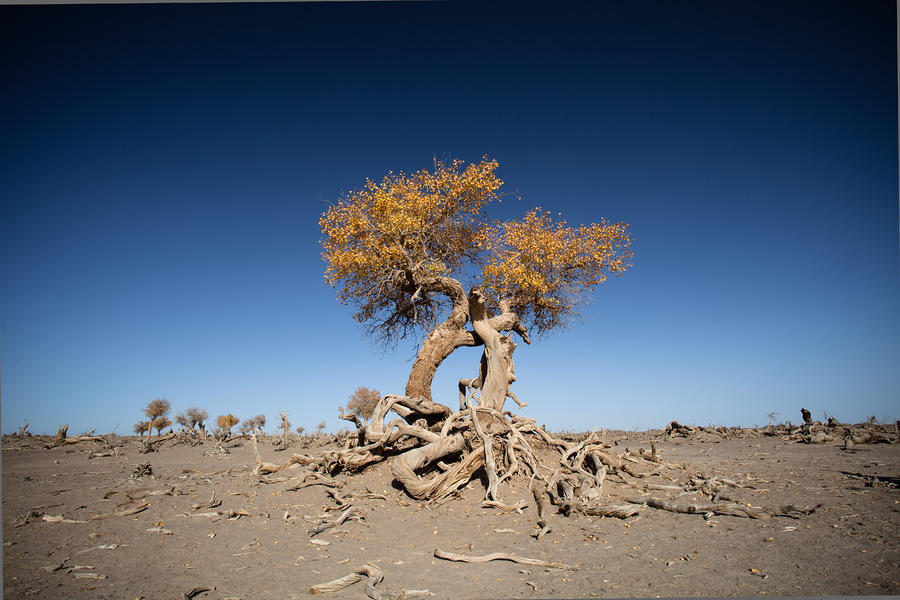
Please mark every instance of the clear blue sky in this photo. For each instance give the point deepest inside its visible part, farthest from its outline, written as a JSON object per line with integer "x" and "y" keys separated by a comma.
{"x": 163, "y": 169}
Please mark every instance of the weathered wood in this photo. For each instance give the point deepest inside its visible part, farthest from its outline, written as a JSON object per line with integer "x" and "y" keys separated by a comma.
{"x": 211, "y": 503}
{"x": 122, "y": 513}
{"x": 490, "y": 463}
{"x": 732, "y": 509}
{"x": 467, "y": 558}
{"x": 350, "y": 513}
{"x": 196, "y": 592}
{"x": 372, "y": 575}
{"x": 541, "y": 511}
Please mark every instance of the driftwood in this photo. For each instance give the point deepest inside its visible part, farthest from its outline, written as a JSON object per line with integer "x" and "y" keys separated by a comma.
{"x": 816, "y": 432}
{"x": 541, "y": 510}
{"x": 60, "y": 519}
{"x": 674, "y": 428}
{"x": 61, "y": 438}
{"x": 618, "y": 511}
{"x": 438, "y": 553}
{"x": 152, "y": 445}
{"x": 122, "y": 513}
{"x": 874, "y": 480}
{"x": 196, "y": 592}
{"x": 144, "y": 492}
{"x": 211, "y": 503}
{"x": 142, "y": 470}
{"x": 34, "y": 515}
{"x": 350, "y": 513}
{"x": 733, "y": 509}
{"x": 507, "y": 508}
{"x": 372, "y": 575}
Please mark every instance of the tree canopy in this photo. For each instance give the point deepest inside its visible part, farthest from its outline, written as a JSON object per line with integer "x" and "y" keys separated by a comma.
{"x": 400, "y": 250}
{"x": 362, "y": 403}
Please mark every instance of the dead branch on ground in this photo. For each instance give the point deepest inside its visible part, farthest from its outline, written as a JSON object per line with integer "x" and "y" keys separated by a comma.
{"x": 438, "y": 553}
{"x": 373, "y": 576}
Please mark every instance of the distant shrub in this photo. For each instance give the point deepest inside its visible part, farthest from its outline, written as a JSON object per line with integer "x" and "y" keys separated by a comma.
{"x": 160, "y": 423}
{"x": 226, "y": 422}
{"x": 362, "y": 403}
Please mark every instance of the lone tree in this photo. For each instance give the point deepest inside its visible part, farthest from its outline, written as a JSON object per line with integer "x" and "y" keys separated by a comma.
{"x": 157, "y": 409}
{"x": 404, "y": 251}
{"x": 417, "y": 253}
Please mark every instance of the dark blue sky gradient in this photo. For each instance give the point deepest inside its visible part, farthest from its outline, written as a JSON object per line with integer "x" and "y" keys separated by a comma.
{"x": 164, "y": 168}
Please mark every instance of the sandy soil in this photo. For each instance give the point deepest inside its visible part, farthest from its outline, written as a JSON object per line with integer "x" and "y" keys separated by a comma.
{"x": 848, "y": 545}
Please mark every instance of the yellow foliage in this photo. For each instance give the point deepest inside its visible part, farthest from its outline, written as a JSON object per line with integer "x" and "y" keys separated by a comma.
{"x": 227, "y": 421}
{"x": 384, "y": 242}
{"x": 392, "y": 247}
{"x": 541, "y": 268}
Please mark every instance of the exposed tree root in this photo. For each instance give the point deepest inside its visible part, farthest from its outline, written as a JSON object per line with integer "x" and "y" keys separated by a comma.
{"x": 434, "y": 453}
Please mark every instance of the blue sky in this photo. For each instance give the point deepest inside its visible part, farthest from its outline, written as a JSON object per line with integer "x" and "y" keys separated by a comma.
{"x": 164, "y": 167}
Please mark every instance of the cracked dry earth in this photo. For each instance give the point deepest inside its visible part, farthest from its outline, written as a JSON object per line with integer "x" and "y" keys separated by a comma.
{"x": 256, "y": 544}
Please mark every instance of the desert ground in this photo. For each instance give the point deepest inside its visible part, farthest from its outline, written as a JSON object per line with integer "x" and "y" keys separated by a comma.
{"x": 105, "y": 520}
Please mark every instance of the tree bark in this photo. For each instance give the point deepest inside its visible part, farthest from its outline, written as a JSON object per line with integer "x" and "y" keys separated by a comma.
{"x": 497, "y": 370}
{"x": 452, "y": 334}
{"x": 440, "y": 343}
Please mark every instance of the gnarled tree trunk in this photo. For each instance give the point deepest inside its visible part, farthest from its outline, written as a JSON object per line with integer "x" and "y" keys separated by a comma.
{"x": 497, "y": 371}
{"x": 439, "y": 344}
{"x": 452, "y": 334}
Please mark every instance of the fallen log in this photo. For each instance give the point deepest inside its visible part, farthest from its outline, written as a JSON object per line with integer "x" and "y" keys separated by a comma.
{"x": 733, "y": 509}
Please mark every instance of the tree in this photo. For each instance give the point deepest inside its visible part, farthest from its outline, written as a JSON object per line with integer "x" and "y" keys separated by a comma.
{"x": 253, "y": 424}
{"x": 285, "y": 427}
{"x": 160, "y": 423}
{"x": 416, "y": 253}
{"x": 400, "y": 252}
{"x": 321, "y": 428}
{"x": 362, "y": 403}
{"x": 300, "y": 430}
{"x": 196, "y": 417}
{"x": 226, "y": 422}
{"x": 183, "y": 420}
{"x": 156, "y": 409}
{"x": 141, "y": 427}
{"x": 259, "y": 421}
